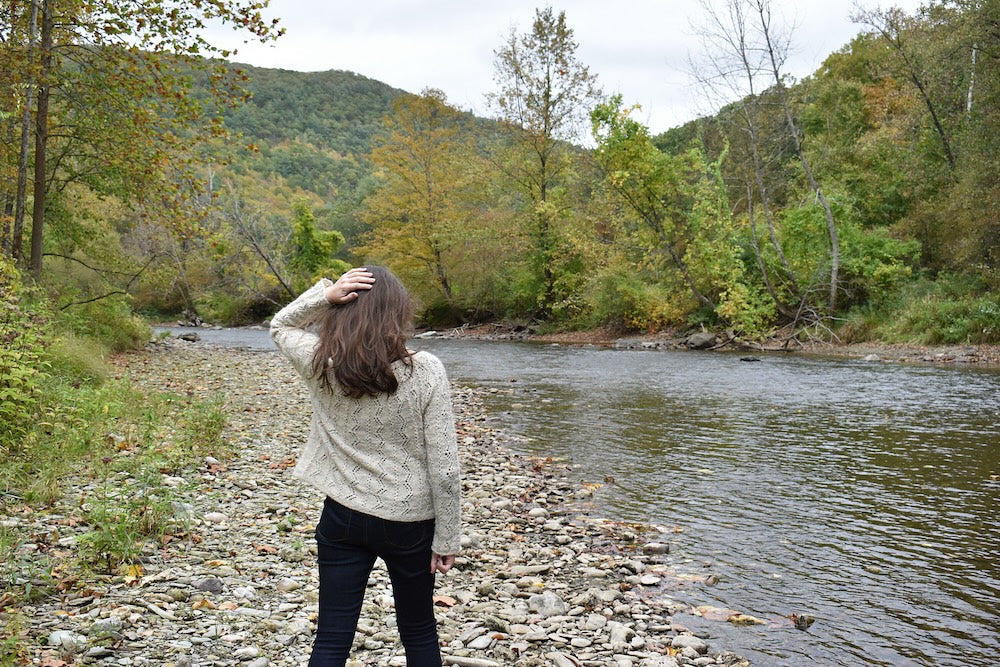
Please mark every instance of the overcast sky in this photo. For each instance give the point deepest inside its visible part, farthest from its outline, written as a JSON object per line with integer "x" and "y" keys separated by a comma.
{"x": 639, "y": 48}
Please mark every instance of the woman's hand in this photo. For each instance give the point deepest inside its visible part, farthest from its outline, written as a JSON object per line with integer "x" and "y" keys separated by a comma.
{"x": 441, "y": 563}
{"x": 346, "y": 288}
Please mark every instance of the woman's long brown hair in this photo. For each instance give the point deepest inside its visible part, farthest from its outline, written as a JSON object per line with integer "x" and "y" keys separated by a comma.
{"x": 359, "y": 340}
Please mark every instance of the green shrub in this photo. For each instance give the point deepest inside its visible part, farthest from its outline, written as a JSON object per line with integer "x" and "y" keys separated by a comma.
{"x": 950, "y": 310}
{"x": 22, "y": 360}
{"x": 109, "y": 321}
{"x": 120, "y": 520}
{"x": 77, "y": 360}
{"x": 627, "y": 300}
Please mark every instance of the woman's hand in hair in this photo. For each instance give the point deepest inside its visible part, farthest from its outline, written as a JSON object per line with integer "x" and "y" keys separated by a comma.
{"x": 346, "y": 288}
{"x": 441, "y": 563}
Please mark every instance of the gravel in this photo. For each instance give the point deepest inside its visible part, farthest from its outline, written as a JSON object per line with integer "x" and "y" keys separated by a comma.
{"x": 539, "y": 580}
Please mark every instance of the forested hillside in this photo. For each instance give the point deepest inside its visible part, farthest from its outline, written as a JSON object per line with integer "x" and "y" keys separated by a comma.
{"x": 860, "y": 202}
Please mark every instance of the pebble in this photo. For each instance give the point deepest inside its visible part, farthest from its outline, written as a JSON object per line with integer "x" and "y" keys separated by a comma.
{"x": 539, "y": 581}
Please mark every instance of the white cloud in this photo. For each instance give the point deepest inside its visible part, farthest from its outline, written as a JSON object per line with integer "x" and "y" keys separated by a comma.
{"x": 639, "y": 49}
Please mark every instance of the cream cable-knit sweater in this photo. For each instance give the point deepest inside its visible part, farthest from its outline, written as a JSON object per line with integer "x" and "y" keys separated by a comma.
{"x": 393, "y": 456}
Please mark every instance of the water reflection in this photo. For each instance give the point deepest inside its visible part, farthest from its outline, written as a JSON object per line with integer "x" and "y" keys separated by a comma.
{"x": 859, "y": 493}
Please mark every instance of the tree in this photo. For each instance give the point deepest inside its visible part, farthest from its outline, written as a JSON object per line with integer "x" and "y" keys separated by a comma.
{"x": 544, "y": 96}
{"x": 683, "y": 206}
{"x": 733, "y": 66}
{"x": 423, "y": 211}
{"x": 776, "y": 49}
{"x": 112, "y": 108}
{"x": 897, "y": 29}
{"x": 313, "y": 249}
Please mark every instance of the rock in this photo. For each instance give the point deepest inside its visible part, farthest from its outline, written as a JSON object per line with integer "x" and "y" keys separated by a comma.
{"x": 98, "y": 652}
{"x": 215, "y": 517}
{"x": 745, "y": 619}
{"x": 70, "y": 642}
{"x": 870, "y": 358}
{"x": 700, "y": 341}
{"x": 106, "y": 626}
{"x": 287, "y": 585}
{"x": 246, "y": 653}
{"x": 461, "y": 661}
{"x": 656, "y": 548}
{"x": 560, "y": 660}
{"x": 803, "y": 621}
{"x": 244, "y": 593}
{"x": 177, "y": 595}
{"x": 190, "y": 337}
{"x": 619, "y": 634}
{"x": 210, "y": 585}
{"x": 547, "y": 604}
{"x": 481, "y": 642}
{"x": 689, "y": 641}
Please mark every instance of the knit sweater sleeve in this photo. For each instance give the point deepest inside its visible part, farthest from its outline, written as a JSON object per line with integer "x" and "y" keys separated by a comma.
{"x": 295, "y": 342}
{"x": 443, "y": 466}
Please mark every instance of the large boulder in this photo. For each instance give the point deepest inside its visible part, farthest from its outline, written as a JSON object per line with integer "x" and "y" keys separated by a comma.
{"x": 700, "y": 341}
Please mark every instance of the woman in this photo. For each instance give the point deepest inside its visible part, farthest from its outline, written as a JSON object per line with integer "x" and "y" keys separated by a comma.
{"x": 382, "y": 449}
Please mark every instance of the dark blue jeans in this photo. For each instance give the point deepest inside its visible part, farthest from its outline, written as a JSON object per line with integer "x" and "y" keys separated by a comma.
{"x": 348, "y": 542}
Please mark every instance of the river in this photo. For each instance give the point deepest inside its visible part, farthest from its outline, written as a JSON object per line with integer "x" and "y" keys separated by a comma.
{"x": 861, "y": 494}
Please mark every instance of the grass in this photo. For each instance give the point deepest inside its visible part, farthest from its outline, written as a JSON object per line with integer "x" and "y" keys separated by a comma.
{"x": 107, "y": 447}
{"x": 94, "y": 449}
{"x": 950, "y": 310}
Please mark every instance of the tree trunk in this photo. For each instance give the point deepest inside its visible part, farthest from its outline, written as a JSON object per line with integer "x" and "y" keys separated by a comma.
{"x": 763, "y": 10}
{"x": 41, "y": 141}
{"x": 972, "y": 81}
{"x": 20, "y": 201}
{"x": 442, "y": 276}
{"x": 755, "y": 242}
{"x": 765, "y": 201}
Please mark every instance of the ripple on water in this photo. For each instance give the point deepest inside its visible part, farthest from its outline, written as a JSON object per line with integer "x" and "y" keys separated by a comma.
{"x": 859, "y": 493}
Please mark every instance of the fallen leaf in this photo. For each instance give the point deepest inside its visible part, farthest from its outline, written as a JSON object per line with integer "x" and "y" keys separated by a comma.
{"x": 445, "y": 601}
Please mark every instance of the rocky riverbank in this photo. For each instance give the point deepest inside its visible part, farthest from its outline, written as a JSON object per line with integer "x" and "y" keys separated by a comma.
{"x": 979, "y": 355}
{"x": 539, "y": 581}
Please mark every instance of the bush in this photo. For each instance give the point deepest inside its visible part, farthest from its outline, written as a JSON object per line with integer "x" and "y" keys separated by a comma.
{"x": 77, "y": 360}
{"x": 110, "y": 321}
{"x": 22, "y": 360}
{"x": 953, "y": 309}
{"x": 626, "y": 300}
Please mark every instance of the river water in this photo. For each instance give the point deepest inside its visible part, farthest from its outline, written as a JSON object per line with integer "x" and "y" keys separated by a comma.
{"x": 862, "y": 494}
